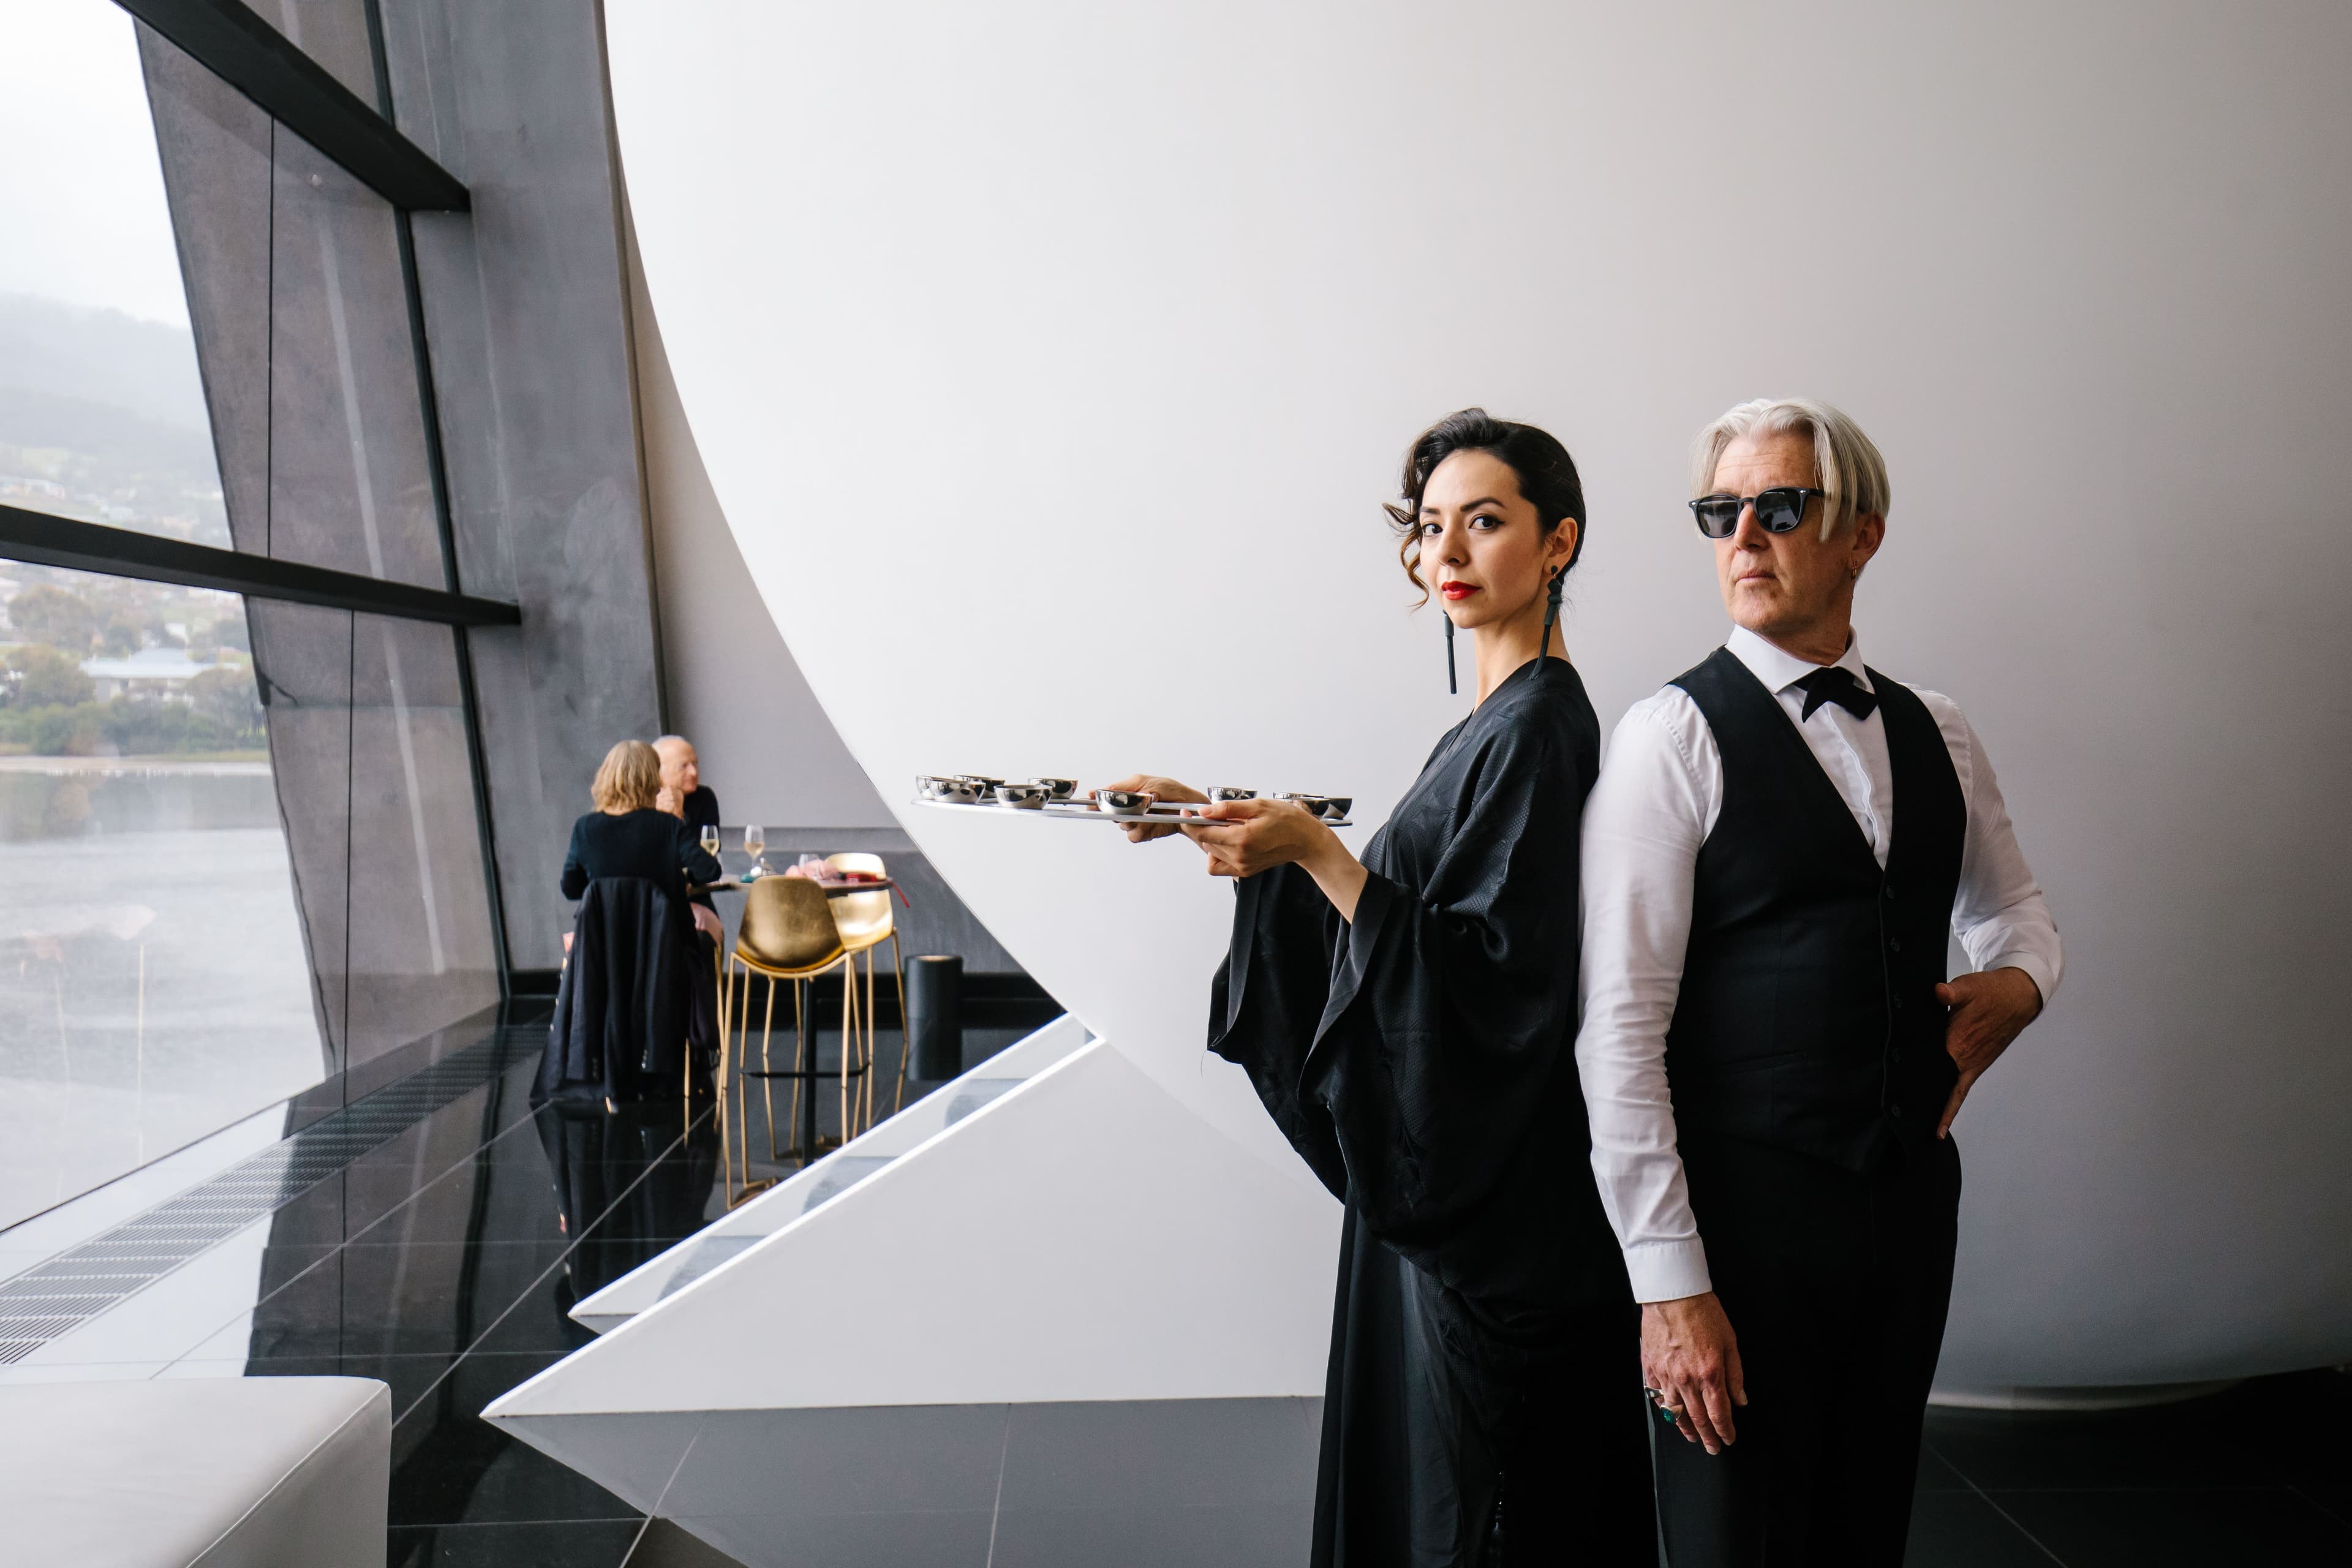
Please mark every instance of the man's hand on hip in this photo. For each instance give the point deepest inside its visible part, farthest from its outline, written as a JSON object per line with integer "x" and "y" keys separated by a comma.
{"x": 1691, "y": 1357}
{"x": 1989, "y": 1008}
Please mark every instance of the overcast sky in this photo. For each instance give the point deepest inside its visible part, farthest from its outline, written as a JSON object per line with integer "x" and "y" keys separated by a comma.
{"x": 82, "y": 197}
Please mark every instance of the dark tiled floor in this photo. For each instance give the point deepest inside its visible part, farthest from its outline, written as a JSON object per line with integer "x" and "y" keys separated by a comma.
{"x": 2262, "y": 1473}
{"x": 444, "y": 1263}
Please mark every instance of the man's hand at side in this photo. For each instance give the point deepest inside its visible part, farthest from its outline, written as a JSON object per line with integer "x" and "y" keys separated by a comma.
{"x": 1691, "y": 1357}
{"x": 1989, "y": 1009}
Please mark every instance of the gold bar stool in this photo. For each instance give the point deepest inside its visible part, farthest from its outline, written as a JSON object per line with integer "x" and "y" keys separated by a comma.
{"x": 787, "y": 933}
{"x": 866, "y": 922}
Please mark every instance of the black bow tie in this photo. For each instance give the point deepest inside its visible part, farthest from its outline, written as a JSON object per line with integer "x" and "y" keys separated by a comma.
{"x": 1836, "y": 684}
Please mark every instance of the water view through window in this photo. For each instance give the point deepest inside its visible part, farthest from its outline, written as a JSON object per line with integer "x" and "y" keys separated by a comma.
{"x": 153, "y": 986}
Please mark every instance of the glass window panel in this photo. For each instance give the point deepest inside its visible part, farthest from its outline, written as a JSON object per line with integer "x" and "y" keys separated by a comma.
{"x": 102, "y": 412}
{"x": 153, "y": 986}
{"x": 302, "y": 665}
{"x": 216, "y": 147}
{"x": 421, "y": 952}
{"x": 350, "y": 481}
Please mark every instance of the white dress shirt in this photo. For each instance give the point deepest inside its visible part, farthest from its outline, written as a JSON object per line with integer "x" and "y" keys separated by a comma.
{"x": 1656, "y": 800}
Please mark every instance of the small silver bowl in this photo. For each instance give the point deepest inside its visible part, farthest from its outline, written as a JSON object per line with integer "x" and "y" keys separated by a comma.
{"x": 1125, "y": 802}
{"x": 1225, "y": 791}
{"x": 1058, "y": 789}
{"x": 1022, "y": 796}
{"x": 931, "y": 786}
{"x": 956, "y": 792}
{"x": 1330, "y": 807}
{"x": 981, "y": 781}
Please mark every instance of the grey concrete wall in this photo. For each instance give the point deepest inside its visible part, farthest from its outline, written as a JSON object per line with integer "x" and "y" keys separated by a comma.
{"x": 527, "y": 316}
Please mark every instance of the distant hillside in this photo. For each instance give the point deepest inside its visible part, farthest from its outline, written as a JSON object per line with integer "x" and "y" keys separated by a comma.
{"x": 84, "y": 355}
{"x": 102, "y": 417}
{"x": 116, "y": 437}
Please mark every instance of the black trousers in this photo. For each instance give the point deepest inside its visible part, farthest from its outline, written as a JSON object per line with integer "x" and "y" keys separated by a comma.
{"x": 1837, "y": 1286}
{"x": 1467, "y": 1434}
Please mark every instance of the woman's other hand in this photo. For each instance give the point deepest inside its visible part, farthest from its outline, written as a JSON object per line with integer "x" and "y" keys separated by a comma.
{"x": 1162, "y": 789}
{"x": 1242, "y": 838}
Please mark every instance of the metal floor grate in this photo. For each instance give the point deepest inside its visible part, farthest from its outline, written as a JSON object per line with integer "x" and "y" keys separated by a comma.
{"x": 80, "y": 1283}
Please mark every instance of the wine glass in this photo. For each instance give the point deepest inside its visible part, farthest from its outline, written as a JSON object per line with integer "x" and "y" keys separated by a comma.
{"x": 710, "y": 839}
{"x": 755, "y": 844}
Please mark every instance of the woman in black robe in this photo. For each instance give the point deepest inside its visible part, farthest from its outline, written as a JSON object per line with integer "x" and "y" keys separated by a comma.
{"x": 1409, "y": 1021}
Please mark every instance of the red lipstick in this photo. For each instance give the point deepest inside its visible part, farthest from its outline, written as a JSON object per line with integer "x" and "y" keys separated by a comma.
{"x": 1457, "y": 591}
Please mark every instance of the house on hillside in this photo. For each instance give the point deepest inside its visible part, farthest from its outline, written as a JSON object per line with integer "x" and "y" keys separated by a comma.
{"x": 162, "y": 673}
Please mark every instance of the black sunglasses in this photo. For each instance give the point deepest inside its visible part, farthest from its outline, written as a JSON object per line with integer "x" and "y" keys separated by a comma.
{"x": 1778, "y": 511}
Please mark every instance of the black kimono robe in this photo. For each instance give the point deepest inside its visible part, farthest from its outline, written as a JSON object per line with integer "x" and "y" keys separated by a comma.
{"x": 1485, "y": 1381}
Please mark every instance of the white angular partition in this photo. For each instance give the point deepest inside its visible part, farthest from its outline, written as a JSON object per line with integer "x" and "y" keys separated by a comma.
{"x": 1066, "y": 1247}
{"x": 828, "y": 1178}
{"x": 1050, "y": 362}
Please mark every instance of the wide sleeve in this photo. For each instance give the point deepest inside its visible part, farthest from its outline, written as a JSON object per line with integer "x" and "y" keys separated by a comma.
{"x": 576, "y": 873}
{"x": 1450, "y": 1010}
{"x": 1267, "y": 998}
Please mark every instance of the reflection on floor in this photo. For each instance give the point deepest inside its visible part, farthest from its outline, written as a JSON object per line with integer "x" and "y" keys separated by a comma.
{"x": 444, "y": 1262}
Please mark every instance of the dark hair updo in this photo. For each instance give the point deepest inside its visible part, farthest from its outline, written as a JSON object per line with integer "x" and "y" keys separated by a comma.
{"x": 1546, "y": 477}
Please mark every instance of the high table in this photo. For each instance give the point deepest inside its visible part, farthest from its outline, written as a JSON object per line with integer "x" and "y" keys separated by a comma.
{"x": 806, "y": 1149}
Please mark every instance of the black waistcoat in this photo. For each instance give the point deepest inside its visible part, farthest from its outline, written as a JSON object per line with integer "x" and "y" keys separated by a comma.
{"x": 1808, "y": 1018}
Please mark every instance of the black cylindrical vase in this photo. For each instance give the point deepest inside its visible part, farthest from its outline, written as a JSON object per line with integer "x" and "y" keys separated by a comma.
{"x": 935, "y": 1016}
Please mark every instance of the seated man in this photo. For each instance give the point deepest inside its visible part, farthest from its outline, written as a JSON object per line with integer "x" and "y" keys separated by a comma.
{"x": 684, "y": 795}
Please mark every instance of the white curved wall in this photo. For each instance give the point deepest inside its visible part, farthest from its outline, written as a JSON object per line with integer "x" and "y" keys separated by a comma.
{"x": 1050, "y": 362}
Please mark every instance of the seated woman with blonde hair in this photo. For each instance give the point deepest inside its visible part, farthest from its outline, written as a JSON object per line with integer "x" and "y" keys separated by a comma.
{"x": 629, "y": 835}
{"x": 620, "y": 1014}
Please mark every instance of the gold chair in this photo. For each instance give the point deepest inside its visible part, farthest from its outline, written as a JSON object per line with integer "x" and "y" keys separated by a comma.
{"x": 786, "y": 933}
{"x": 866, "y": 922}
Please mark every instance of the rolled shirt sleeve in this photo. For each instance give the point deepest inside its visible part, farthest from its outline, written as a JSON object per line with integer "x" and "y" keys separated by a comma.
{"x": 2000, "y": 915}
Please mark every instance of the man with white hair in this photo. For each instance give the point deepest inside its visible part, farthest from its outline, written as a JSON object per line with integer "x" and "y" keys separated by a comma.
{"x": 1779, "y": 845}
{"x": 684, "y": 795}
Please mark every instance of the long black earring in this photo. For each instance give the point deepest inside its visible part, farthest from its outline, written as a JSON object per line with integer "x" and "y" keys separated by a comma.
{"x": 1552, "y": 610}
{"x": 1450, "y": 687}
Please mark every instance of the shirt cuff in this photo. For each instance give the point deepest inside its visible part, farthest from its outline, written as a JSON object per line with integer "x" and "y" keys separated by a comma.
{"x": 2037, "y": 968}
{"x": 1667, "y": 1270}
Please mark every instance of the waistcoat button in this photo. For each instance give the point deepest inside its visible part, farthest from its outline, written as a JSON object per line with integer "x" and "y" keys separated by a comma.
{"x": 1895, "y": 1111}
{"x": 1895, "y": 942}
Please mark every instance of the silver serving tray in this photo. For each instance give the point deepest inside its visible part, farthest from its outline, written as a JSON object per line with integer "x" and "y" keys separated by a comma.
{"x": 1159, "y": 815}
